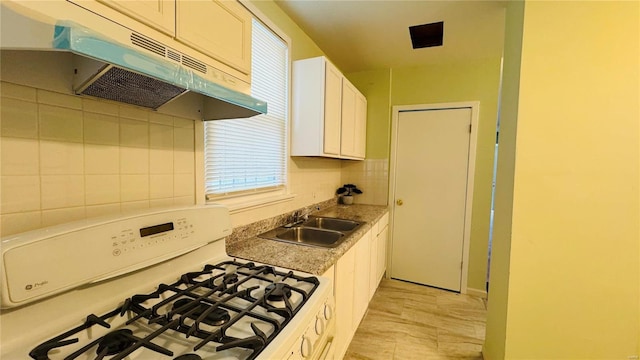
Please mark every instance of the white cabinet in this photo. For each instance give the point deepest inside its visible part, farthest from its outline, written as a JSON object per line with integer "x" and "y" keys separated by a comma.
{"x": 354, "y": 122}
{"x": 361, "y": 278}
{"x": 360, "y": 136}
{"x": 378, "y": 253}
{"x": 158, "y": 14}
{"x": 382, "y": 240}
{"x": 357, "y": 275}
{"x": 217, "y": 28}
{"x": 332, "y": 110}
{"x": 220, "y": 30}
{"x": 329, "y": 113}
{"x": 344, "y": 292}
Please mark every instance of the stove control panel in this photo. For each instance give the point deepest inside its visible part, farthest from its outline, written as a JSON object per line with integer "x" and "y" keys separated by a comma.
{"x": 129, "y": 240}
{"x": 71, "y": 255}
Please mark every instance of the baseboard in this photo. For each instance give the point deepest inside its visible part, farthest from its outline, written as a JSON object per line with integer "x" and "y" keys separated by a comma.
{"x": 477, "y": 292}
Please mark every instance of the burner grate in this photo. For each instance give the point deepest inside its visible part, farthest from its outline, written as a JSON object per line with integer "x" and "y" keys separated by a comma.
{"x": 231, "y": 306}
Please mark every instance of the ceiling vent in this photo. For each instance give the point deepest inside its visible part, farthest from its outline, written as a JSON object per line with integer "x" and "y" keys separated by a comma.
{"x": 426, "y": 35}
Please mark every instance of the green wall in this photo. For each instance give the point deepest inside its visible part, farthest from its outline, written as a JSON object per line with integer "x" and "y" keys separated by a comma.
{"x": 569, "y": 231}
{"x": 474, "y": 80}
{"x": 302, "y": 46}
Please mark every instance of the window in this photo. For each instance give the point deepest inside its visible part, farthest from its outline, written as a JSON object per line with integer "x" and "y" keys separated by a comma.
{"x": 248, "y": 156}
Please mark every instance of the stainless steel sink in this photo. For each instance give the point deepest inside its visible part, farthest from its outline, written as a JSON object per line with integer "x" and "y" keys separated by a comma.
{"x": 311, "y": 236}
{"x": 331, "y": 223}
{"x": 316, "y": 231}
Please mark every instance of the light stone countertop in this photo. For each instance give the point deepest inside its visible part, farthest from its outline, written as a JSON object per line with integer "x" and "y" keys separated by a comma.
{"x": 313, "y": 260}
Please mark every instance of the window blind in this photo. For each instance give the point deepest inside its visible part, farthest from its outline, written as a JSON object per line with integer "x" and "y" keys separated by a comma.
{"x": 249, "y": 155}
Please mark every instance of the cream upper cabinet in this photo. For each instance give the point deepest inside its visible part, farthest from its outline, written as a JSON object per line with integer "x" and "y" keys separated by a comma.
{"x": 220, "y": 29}
{"x": 158, "y": 14}
{"x": 328, "y": 117}
{"x": 354, "y": 122}
{"x": 360, "y": 137}
{"x": 348, "y": 121}
{"x": 332, "y": 109}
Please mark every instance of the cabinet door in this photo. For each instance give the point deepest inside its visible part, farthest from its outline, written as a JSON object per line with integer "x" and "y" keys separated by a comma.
{"x": 360, "y": 131}
{"x": 332, "y": 109}
{"x": 344, "y": 279}
{"x": 159, "y": 14}
{"x": 373, "y": 265}
{"x": 218, "y": 28}
{"x": 382, "y": 253}
{"x": 361, "y": 278}
{"x": 348, "y": 126}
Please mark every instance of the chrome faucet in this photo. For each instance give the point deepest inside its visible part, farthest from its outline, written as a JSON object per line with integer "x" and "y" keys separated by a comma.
{"x": 300, "y": 216}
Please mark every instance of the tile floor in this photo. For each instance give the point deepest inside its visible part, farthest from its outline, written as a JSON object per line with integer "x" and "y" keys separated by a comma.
{"x": 409, "y": 321}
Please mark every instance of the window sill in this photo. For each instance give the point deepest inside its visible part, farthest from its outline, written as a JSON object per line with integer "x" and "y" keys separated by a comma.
{"x": 246, "y": 203}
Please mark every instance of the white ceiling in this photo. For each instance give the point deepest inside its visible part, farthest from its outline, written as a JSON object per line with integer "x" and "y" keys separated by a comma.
{"x": 372, "y": 34}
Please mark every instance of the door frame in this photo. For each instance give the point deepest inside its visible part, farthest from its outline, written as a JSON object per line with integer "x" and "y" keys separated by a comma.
{"x": 473, "y": 142}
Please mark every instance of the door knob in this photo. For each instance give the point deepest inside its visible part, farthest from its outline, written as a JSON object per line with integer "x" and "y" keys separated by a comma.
{"x": 399, "y": 202}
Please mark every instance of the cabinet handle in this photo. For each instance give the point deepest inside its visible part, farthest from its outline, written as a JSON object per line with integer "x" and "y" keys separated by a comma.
{"x": 399, "y": 202}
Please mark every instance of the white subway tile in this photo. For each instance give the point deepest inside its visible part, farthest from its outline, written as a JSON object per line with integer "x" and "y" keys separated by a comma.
{"x": 160, "y": 186}
{"x": 61, "y": 216}
{"x": 158, "y": 118}
{"x": 184, "y": 201}
{"x": 183, "y": 185}
{"x": 183, "y": 162}
{"x": 134, "y": 160}
{"x": 20, "y": 193}
{"x": 101, "y": 159}
{"x": 19, "y": 118}
{"x": 62, "y": 191}
{"x": 58, "y": 123}
{"x": 160, "y": 203}
{"x": 183, "y": 139}
{"x": 20, "y": 222}
{"x": 132, "y": 112}
{"x": 100, "y": 107}
{"x": 101, "y": 129}
{"x": 102, "y": 210}
{"x": 131, "y": 206}
{"x": 20, "y": 156}
{"x": 134, "y": 187}
{"x": 58, "y": 99}
{"x": 134, "y": 133}
{"x": 15, "y": 91}
{"x": 160, "y": 161}
{"x": 160, "y": 136}
{"x": 61, "y": 158}
{"x": 102, "y": 189}
{"x": 183, "y": 123}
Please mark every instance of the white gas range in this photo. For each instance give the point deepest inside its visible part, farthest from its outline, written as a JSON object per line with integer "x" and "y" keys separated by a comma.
{"x": 155, "y": 285}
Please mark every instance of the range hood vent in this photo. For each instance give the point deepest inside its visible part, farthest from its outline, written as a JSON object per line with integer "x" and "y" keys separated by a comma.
{"x": 128, "y": 87}
{"x": 135, "y": 70}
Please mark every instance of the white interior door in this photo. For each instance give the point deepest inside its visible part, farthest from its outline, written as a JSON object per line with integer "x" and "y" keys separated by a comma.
{"x": 430, "y": 187}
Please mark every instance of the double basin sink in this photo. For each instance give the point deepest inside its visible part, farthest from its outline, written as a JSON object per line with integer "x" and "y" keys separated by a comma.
{"x": 316, "y": 231}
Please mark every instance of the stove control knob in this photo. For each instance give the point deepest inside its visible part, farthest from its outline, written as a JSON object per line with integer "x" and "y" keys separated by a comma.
{"x": 319, "y": 328}
{"x": 305, "y": 347}
{"x": 328, "y": 312}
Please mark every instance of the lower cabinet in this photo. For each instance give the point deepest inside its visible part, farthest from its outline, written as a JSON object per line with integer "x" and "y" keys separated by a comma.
{"x": 344, "y": 280}
{"x": 357, "y": 275}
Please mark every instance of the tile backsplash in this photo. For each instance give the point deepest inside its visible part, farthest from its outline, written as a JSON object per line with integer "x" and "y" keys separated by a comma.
{"x": 371, "y": 176}
{"x": 66, "y": 158}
